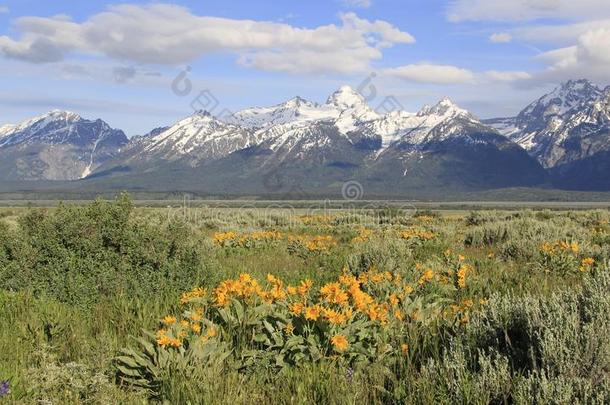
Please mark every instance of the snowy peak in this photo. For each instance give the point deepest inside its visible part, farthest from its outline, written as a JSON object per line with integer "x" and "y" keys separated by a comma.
{"x": 297, "y": 102}
{"x": 568, "y": 95}
{"x": 55, "y": 117}
{"x": 67, "y": 116}
{"x": 296, "y": 110}
{"x": 563, "y": 126}
{"x": 200, "y": 135}
{"x": 346, "y": 98}
{"x": 580, "y": 86}
{"x": 444, "y": 108}
{"x": 59, "y": 145}
{"x": 57, "y": 127}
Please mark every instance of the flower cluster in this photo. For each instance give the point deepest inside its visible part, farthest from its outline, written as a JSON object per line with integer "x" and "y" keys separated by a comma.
{"x": 418, "y": 234}
{"x": 363, "y": 235}
{"x": 233, "y": 239}
{"x": 5, "y": 388}
{"x": 586, "y": 264}
{"x": 425, "y": 218}
{"x": 313, "y": 244}
{"x": 559, "y": 247}
{"x": 316, "y": 219}
{"x": 344, "y": 315}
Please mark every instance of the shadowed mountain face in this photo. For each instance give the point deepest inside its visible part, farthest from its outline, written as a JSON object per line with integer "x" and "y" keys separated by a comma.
{"x": 568, "y": 132}
{"x": 59, "y": 145}
{"x": 297, "y": 147}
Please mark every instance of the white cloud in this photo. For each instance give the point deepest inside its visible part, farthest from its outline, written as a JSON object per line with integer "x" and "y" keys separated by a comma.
{"x": 589, "y": 58}
{"x": 171, "y": 35}
{"x": 434, "y": 74}
{"x": 358, "y": 3}
{"x": 578, "y": 36}
{"x": 507, "y": 75}
{"x": 500, "y": 37}
{"x": 559, "y": 34}
{"x": 4, "y": 10}
{"x": 526, "y": 10}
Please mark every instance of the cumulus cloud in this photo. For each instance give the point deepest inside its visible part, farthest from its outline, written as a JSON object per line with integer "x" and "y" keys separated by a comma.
{"x": 589, "y": 58}
{"x": 500, "y": 37}
{"x": 526, "y": 10}
{"x": 507, "y": 75}
{"x": 433, "y": 74}
{"x": 171, "y": 35}
{"x": 4, "y": 10}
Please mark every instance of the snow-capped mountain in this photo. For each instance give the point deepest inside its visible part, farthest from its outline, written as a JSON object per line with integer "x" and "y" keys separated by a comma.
{"x": 199, "y": 137}
{"x": 545, "y": 126}
{"x": 314, "y": 145}
{"x": 59, "y": 145}
{"x": 317, "y": 144}
{"x": 564, "y": 130}
{"x": 419, "y": 129}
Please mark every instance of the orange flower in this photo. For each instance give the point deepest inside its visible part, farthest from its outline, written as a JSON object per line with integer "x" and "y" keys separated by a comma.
{"x": 334, "y": 317}
{"x": 168, "y": 320}
{"x": 333, "y": 294}
{"x": 340, "y": 343}
{"x": 304, "y": 287}
{"x": 296, "y": 308}
{"x": 427, "y": 276}
{"x": 313, "y": 312}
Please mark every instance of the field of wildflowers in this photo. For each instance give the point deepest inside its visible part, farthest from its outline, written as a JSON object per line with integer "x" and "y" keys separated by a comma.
{"x": 107, "y": 303}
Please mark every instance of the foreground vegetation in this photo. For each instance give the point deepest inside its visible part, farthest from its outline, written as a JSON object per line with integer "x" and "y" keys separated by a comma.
{"x": 105, "y": 303}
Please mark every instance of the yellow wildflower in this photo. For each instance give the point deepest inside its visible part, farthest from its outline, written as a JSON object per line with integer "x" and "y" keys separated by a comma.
{"x": 586, "y": 264}
{"x": 334, "y": 317}
{"x": 333, "y": 294}
{"x": 169, "y": 320}
{"x": 211, "y": 332}
{"x": 339, "y": 342}
{"x": 313, "y": 312}
{"x": 427, "y": 276}
{"x": 304, "y": 287}
{"x": 461, "y": 275}
{"x": 296, "y": 308}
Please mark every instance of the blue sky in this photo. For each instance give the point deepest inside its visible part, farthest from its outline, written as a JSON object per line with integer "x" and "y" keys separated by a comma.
{"x": 118, "y": 60}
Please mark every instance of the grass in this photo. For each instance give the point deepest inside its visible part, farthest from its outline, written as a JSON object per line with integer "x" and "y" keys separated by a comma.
{"x": 528, "y": 341}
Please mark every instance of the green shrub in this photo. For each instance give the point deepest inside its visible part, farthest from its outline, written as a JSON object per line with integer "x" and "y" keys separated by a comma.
{"x": 78, "y": 254}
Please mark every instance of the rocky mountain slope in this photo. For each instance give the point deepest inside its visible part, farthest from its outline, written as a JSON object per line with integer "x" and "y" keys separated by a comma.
{"x": 59, "y": 145}
{"x": 568, "y": 132}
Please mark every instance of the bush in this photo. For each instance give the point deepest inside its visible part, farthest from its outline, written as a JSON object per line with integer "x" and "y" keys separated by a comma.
{"x": 78, "y": 254}
{"x": 532, "y": 350}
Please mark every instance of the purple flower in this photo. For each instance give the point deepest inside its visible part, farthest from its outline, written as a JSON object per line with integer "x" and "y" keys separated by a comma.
{"x": 5, "y": 388}
{"x": 350, "y": 374}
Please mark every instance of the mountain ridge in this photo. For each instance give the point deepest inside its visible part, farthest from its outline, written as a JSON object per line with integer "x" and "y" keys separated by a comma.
{"x": 319, "y": 146}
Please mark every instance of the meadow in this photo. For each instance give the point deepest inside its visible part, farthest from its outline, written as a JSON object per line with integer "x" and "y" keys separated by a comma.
{"x": 108, "y": 303}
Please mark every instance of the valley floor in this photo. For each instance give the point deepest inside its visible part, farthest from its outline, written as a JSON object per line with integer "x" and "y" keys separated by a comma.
{"x": 486, "y": 302}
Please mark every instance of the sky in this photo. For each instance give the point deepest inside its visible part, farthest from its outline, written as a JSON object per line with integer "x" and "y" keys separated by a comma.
{"x": 140, "y": 64}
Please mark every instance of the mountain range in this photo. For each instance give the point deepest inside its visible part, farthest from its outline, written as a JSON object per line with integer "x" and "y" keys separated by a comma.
{"x": 296, "y": 148}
